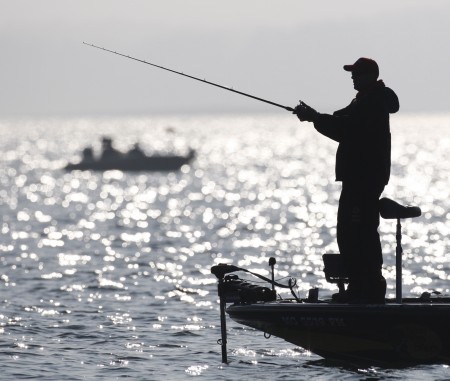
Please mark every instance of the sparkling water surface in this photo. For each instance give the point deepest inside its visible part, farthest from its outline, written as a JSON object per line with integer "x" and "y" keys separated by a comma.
{"x": 107, "y": 275}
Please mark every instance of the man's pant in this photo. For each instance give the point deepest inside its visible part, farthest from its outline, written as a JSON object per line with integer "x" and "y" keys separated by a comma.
{"x": 359, "y": 241}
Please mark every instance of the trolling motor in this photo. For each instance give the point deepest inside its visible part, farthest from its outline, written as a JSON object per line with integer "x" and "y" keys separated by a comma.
{"x": 232, "y": 289}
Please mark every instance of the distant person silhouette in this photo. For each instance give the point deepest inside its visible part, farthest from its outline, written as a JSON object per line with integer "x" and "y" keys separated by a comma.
{"x": 363, "y": 161}
{"x": 136, "y": 152}
{"x": 108, "y": 151}
{"x": 88, "y": 155}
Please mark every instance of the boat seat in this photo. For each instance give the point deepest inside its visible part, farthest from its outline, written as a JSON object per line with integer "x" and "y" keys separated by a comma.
{"x": 389, "y": 209}
{"x": 334, "y": 270}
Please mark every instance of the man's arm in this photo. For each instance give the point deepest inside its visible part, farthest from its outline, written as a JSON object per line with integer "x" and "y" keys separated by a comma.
{"x": 328, "y": 125}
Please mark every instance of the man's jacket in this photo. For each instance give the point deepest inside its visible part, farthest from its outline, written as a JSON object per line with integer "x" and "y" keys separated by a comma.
{"x": 363, "y": 132}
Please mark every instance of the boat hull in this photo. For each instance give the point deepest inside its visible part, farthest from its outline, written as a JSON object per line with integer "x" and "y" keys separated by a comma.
{"x": 154, "y": 163}
{"x": 384, "y": 333}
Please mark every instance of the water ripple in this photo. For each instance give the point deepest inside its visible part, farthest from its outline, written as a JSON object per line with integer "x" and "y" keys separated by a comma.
{"x": 108, "y": 274}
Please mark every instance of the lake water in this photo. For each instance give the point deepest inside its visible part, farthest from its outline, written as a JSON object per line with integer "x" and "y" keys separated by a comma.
{"x": 107, "y": 275}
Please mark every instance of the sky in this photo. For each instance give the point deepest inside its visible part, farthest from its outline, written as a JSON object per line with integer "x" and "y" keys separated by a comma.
{"x": 283, "y": 51}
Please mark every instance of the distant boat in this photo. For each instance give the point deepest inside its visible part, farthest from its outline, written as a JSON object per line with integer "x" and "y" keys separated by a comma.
{"x": 135, "y": 160}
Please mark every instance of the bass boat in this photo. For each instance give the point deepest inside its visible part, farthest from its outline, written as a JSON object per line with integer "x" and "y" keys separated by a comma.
{"x": 397, "y": 332}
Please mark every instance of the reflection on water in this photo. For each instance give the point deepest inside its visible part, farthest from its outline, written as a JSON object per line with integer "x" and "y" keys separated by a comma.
{"x": 108, "y": 274}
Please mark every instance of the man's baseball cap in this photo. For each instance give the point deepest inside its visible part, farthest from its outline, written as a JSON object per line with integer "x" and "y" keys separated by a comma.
{"x": 363, "y": 65}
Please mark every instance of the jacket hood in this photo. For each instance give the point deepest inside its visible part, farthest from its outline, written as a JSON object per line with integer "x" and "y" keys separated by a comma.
{"x": 390, "y": 98}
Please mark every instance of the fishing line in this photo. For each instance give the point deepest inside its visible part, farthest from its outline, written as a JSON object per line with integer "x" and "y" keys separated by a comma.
{"x": 192, "y": 77}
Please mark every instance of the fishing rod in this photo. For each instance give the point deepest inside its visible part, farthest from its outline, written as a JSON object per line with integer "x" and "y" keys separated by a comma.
{"x": 192, "y": 77}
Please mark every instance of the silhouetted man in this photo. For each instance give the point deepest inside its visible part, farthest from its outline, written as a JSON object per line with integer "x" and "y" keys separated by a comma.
{"x": 363, "y": 162}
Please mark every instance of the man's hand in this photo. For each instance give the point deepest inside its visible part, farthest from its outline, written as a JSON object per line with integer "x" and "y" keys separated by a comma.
{"x": 305, "y": 113}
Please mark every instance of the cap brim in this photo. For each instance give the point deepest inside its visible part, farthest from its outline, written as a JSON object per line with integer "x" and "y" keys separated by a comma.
{"x": 349, "y": 67}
